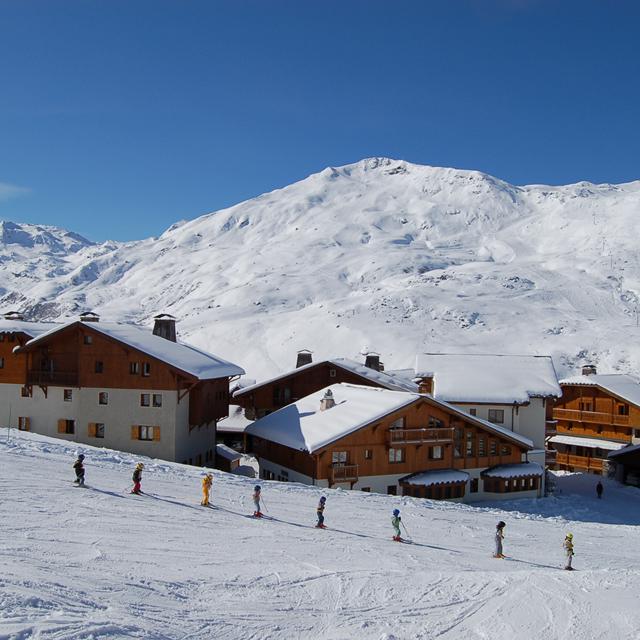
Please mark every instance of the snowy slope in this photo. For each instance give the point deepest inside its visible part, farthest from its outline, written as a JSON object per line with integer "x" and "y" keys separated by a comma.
{"x": 381, "y": 254}
{"x": 99, "y": 563}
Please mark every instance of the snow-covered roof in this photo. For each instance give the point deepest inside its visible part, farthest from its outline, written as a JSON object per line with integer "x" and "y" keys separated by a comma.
{"x": 516, "y": 470}
{"x": 489, "y": 378}
{"x": 32, "y": 329}
{"x": 590, "y": 443}
{"x": 227, "y": 453}
{"x": 622, "y": 385}
{"x": 439, "y": 476}
{"x": 629, "y": 449}
{"x": 387, "y": 380}
{"x": 301, "y": 425}
{"x": 200, "y": 364}
{"x": 235, "y": 422}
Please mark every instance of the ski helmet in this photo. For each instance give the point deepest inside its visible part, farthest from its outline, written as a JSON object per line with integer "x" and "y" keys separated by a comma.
{"x": 139, "y": 465}
{"x": 501, "y": 524}
{"x": 570, "y": 536}
{"x": 81, "y": 456}
{"x": 396, "y": 512}
{"x": 257, "y": 488}
{"x": 323, "y": 499}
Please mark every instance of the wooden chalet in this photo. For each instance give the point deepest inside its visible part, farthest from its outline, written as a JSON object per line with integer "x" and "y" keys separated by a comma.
{"x": 373, "y": 439}
{"x": 597, "y": 415}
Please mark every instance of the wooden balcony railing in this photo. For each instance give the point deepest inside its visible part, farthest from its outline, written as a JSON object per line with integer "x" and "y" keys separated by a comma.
{"x": 551, "y": 428}
{"x": 419, "y": 436}
{"x": 550, "y": 456}
{"x": 579, "y": 462}
{"x": 54, "y": 378}
{"x": 343, "y": 473}
{"x": 590, "y": 416}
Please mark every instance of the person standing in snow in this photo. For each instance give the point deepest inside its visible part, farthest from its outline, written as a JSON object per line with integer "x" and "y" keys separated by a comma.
{"x": 79, "y": 469}
{"x": 395, "y": 523}
{"x": 568, "y": 550}
{"x": 207, "y": 481}
{"x": 257, "y": 492}
{"x": 499, "y": 538}
{"x": 599, "y": 489}
{"x": 320, "y": 513}
{"x": 137, "y": 478}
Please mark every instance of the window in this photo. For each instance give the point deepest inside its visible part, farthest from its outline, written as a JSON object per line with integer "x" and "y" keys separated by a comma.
{"x": 623, "y": 409}
{"x": 67, "y": 394}
{"x": 366, "y": 489}
{"x": 332, "y": 373}
{"x": 287, "y": 395}
{"x": 493, "y": 447}
{"x": 24, "y": 424}
{"x": 436, "y": 453}
{"x": 157, "y": 399}
{"x": 144, "y": 399}
{"x": 392, "y": 490}
{"x": 1, "y": 337}
{"x": 99, "y": 368}
{"x": 396, "y": 455}
{"x": 145, "y": 432}
{"x": 103, "y": 397}
{"x": 457, "y": 442}
{"x": 481, "y": 448}
{"x": 99, "y": 430}
{"x": 505, "y": 450}
{"x": 473, "y": 412}
{"x": 636, "y": 433}
{"x": 468, "y": 453}
{"x": 12, "y": 337}
{"x": 368, "y": 454}
{"x": 276, "y": 395}
{"x": 339, "y": 457}
{"x": 134, "y": 368}
{"x": 397, "y": 424}
{"x": 473, "y": 488}
{"x": 267, "y": 475}
{"x": 66, "y": 426}
{"x": 26, "y": 391}
{"x": 1, "y": 363}
{"x": 146, "y": 369}
{"x": 87, "y": 339}
{"x": 496, "y": 416}
{"x": 586, "y": 406}
{"x": 284, "y": 476}
{"x": 435, "y": 423}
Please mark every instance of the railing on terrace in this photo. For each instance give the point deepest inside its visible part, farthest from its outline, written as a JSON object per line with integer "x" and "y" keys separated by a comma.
{"x": 551, "y": 428}
{"x": 599, "y": 417}
{"x": 420, "y": 436}
{"x": 343, "y": 472}
{"x": 61, "y": 378}
{"x": 580, "y": 462}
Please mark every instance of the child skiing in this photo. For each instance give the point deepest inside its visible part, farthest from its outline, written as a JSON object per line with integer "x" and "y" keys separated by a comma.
{"x": 499, "y": 538}
{"x": 207, "y": 481}
{"x": 79, "y": 469}
{"x": 256, "y": 501}
{"x": 137, "y": 478}
{"x": 320, "y": 513}
{"x": 568, "y": 550}
{"x": 395, "y": 523}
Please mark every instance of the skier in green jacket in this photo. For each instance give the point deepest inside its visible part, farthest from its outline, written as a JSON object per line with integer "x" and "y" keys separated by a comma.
{"x": 395, "y": 523}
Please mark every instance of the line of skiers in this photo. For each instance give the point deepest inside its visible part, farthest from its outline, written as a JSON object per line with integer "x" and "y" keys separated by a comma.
{"x": 396, "y": 520}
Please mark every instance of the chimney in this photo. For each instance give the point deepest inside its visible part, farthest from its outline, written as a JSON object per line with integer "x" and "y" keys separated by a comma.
{"x": 426, "y": 383}
{"x": 372, "y": 361}
{"x": 589, "y": 370}
{"x": 89, "y": 316}
{"x": 327, "y": 401}
{"x": 304, "y": 357}
{"x": 13, "y": 315}
{"x": 165, "y": 326}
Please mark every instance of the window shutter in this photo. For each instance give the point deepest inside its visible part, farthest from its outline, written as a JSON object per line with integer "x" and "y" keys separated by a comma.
{"x": 156, "y": 433}
{"x": 27, "y": 424}
{"x": 134, "y": 432}
{"x": 62, "y": 426}
{"x": 92, "y": 429}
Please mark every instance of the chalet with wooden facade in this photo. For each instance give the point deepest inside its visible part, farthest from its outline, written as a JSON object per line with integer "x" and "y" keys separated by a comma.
{"x": 597, "y": 415}
{"x": 373, "y": 439}
{"x": 516, "y": 392}
{"x": 114, "y": 385}
{"x": 263, "y": 398}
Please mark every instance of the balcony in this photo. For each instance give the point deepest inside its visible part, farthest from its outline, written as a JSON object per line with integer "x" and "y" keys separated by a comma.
{"x": 551, "y": 428}
{"x": 598, "y": 417}
{"x": 441, "y": 435}
{"x": 550, "y": 456}
{"x": 339, "y": 472}
{"x": 53, "y": 378}
{"x": 579, "y": 462}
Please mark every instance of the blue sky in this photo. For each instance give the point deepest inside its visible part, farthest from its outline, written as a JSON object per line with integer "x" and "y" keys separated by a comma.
{"x": 119, "y": 117}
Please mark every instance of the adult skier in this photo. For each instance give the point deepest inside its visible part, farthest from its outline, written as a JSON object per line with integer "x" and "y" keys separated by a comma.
{"x": 137, "y": 478}
{"x": 256, "y": 501}
{"x": 395, "y": 523}
{"x": 79, "y": 469}
{"x": 207, "y": 481}
{"x": 320, "y": 513}
{"x": 499, "y": 538}
{"x": 568, "y": 550}
{"x": 599, "y": 489}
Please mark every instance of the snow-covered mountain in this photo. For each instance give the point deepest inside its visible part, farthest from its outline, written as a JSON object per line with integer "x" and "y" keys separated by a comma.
{"x": 381, "y": 254}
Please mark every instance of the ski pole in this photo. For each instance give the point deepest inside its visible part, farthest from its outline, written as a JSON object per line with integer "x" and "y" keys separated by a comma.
{"x": 264, "y": 503}
{"x": 405, "y": 529}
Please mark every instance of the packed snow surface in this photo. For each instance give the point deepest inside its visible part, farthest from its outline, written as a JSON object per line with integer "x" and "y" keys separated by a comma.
{"x": 99, "y": 563}
{"x": 380, "y": 255}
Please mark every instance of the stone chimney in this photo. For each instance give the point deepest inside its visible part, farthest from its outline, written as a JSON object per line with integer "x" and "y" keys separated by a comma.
{"x": 372, "y": 361}
{"x": 13, "y": 315}
{"x": 426, "y": 383}
{"x": 589, "y": 370}
{"x": 304, "y": 357}
{"x": 89, "y": 316}
{"x": 327, "y": 401}
{"x": 165, "y": 326}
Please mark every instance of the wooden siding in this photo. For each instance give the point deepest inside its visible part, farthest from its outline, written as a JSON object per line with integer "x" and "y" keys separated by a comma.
{"x": 208, "y": 401}
{"x": 13, "y": 371}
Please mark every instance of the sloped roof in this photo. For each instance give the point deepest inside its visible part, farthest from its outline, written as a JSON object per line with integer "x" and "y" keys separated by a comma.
{"x": 302, "y": 426}
{"x": 621, "y": 452}
{"x": 438, "y": 476}
{"x": 32, "y": 329}
{"x": 195, "y": 362}
{"x": 590, "y": 443}
{"x": 387, "y": 380}
{"x": 622, "y": 385}
{"x": 235, "y": 422}
{"x": 489, "y": 378}
{"x": 516, "y": 470}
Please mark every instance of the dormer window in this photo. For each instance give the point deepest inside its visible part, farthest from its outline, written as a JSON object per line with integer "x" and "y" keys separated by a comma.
{"x": 146, "y": 369}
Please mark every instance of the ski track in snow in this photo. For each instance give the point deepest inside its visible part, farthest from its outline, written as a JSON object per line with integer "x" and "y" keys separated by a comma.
{"x": 100, "y": 563}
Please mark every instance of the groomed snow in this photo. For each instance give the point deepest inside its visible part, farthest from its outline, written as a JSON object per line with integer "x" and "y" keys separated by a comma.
{"x": 624, "y": 386}
{"x": 514, "y": 470}
{"x": 489, "y": 378}
{"x": 441, "y": 476}
{"x": 98, "y": 563}
{"x": 590, "y": 443}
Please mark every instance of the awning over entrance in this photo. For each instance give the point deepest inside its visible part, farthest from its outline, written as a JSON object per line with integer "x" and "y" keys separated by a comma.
{"x": 518, "y": 470}
{"x": 441, "y": 476}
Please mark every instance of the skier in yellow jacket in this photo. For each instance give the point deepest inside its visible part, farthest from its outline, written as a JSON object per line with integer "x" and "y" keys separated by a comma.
{"x": 207, "y": 481}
